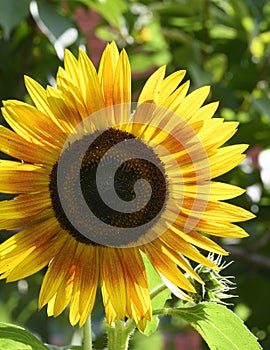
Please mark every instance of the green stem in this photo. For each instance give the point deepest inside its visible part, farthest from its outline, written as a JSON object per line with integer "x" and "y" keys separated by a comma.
{"x": 119, "y": 333}
{"x": 169, "y": 311}
{"x": 87, "y": 335}
{"x": 154, "y": 292}
{"x": 165, "y": 311}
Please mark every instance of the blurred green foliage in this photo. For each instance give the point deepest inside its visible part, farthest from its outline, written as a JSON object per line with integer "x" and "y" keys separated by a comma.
{"x": 225, "y": 44}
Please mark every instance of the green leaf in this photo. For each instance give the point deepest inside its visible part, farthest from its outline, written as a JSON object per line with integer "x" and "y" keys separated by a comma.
{"x": 158, "y": 292}
{"x": 222, "y": 32}
{"x": 110, "y": 10}
{"x": 16, "y": 338}
{"x": 59, "y": 29}
{"x": 11, "y": 13}
{"x": 262, "y": 105}
{"x": 56, "y": 23}
{"x": 219, "y": 326}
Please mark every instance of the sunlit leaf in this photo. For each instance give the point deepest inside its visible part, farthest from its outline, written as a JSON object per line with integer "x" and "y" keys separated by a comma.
{"x": 16, "y": 338}
{"x": 219, "y": 326}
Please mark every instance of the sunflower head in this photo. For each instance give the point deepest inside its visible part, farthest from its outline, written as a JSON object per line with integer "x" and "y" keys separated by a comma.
{"x": 98, "y": 180}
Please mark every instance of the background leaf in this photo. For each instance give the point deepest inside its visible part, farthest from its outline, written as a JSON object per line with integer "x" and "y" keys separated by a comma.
{"x": 52, "y": 347}
{"x": 11, "y": 13}
{"x": 111, "y": 10}
{"x": 59, "y": 29}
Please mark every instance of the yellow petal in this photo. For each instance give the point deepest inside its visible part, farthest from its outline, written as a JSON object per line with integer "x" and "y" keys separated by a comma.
{"x": 122, "y": 81}
{"x": 67, "y": 86}
{"x": 176, "y": 257}
{"x": 186, "y": 249}
{"x": 226, "y": 159}
{"x": 37, "y": 259}
{"x": 205, "y": 112}
{"x": 175, "y": 99}
{"x": 220, "y": 133}
{"x": 192, "y": 102}
{"x": 169, "y": 84}
{"x": 63, "y": 109}
{"x": 167, "y": 268}
{"x": 207, "y": 191}
{"x": 222, "y": 191}
{"x": 90, "y": 85}
{"x": 38, "y": 95}
{"x": 72, "y": 68}
{"x": 221, "y": 229}
{"x": 61, "y": 298}
{"x": 112, "y": 282}
{"x": 152, "y": 88}
{"x": 17, "y": 147}
{"x": 89, "y": 281}
{"x": 24, "y": 205}
{"x": 136, "y": 278}
{"x": 21, "y": 246}
{"x": 58, "y": 272}
{"x": 106, "y": 72}
{"x": 197, "y": 239}
{"x": 226, "y": 212}
{"x": 175, "y": 290}
{"x": 74, "y": 311}
{"x": 18, "y": 177}
{"x": 31, "y": 124}
{"x": 213, "y": 165}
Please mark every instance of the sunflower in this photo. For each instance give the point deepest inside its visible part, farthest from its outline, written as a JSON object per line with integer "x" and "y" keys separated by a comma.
{"x": 100, "y": 183}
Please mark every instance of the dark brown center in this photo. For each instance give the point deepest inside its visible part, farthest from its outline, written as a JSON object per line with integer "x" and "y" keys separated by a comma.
{"x": 95, "y": 179}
